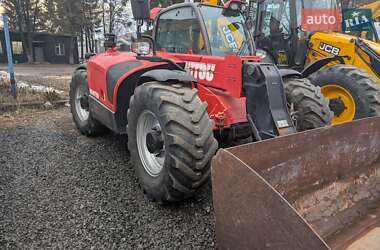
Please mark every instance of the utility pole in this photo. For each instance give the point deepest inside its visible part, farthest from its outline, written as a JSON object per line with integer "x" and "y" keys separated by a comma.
{"x": 10, "y": 57}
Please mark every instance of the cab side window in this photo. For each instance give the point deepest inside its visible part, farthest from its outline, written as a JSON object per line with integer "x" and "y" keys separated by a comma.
{"x": 276, "y": 19}
{"x": 179, "y": 31}
{"x": 276, "y": 32}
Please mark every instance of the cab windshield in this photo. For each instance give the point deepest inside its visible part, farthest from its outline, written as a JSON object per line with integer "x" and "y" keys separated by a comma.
{"x": 226, "y": 31}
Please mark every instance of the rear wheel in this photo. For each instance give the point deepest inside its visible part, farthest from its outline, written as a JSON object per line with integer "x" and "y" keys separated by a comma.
{"x": 79, "y": 94}
{"x": 308, "y": 107}
{"x": 170, "y": 139}
{"x": 352, "y": 92}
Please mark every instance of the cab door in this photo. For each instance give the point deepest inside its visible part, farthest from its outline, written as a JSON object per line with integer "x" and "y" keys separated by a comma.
{"x": 277, "y": 32}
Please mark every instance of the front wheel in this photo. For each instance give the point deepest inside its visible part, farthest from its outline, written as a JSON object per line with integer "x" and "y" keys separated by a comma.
{"x": 170, "y": 139}
{"x": 308, "y": 107}
{"x": 352, "y": 92}
{"x": 79, "y": 103}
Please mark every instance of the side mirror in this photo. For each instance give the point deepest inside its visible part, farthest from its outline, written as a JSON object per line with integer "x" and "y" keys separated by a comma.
{"x": 140, "y": 9}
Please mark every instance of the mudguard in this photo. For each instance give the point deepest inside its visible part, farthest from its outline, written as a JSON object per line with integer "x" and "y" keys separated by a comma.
{"x": 82, "y": 66}
{"x": 317, "y": 65}
{"x": 164, "y": 75}
{"x": 289, "y": 73}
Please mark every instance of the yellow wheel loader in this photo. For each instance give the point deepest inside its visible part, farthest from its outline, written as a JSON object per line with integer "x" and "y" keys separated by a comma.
{"x": 347, "y": 68}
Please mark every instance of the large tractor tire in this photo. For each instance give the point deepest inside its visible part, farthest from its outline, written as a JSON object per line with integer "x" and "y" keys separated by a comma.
{"x": 309, "y": 108}
{"x": 352, "y": 92}
{"x": 79, "y": 94}
{"x": 170, "y": 140}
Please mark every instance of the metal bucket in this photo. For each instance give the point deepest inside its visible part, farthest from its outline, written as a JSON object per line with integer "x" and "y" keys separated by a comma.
{"x": 301, "y": 191}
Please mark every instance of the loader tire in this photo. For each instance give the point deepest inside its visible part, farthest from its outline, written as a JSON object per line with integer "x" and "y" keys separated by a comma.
{"x": 83, "y": 120}
{"x": 353, "y": 93}
{"x": 170, "y": 140}
{"x": 311, "y": 108}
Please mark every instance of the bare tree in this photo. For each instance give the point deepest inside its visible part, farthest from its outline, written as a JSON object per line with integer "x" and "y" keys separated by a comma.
{"x": 114, "y": 14}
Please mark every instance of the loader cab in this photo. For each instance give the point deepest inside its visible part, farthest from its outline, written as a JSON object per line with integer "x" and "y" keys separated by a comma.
{"x": 202, "y": 30}
{"x": 278, "y": 30}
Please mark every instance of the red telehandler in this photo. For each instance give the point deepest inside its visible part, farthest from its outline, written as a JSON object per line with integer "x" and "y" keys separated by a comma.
{"x": 186, "y": 87}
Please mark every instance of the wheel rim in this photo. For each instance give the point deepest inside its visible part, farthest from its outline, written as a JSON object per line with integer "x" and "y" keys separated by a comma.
{"x": 83, "y": 113}
{"x": 153, "y": 163}
{"x": 339, "y": 96}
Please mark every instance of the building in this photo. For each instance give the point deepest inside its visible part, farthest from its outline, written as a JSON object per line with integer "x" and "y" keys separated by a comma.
{"x": 47, "y": 48}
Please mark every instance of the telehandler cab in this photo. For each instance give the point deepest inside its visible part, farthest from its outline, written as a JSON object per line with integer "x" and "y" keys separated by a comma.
{"x": 183, "y": 88}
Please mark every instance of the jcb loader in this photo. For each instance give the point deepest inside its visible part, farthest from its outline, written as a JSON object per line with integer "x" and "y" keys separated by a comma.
{"x": 350, "y": 78}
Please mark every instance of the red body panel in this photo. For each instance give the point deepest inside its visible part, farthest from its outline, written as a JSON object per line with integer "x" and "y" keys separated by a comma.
{"x": 98, "y": 67}
{"x": 219, "y": 81}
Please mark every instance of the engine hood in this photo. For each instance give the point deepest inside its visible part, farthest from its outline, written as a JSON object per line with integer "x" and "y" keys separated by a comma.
{"x": 340, "y": 39}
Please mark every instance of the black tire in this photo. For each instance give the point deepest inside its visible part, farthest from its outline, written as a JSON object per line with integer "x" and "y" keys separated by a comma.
{"x": 311, "y": 108}
{"x": 188, "y": 140}
{"x": 364, "y": 88}
{"x": 89, "y": 126}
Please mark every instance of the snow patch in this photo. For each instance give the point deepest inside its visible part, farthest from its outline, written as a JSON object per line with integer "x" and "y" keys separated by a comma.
{"x": 24, "y": 85}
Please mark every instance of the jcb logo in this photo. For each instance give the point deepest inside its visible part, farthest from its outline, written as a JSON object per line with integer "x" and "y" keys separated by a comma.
{"x": 230, "y": 38}
{"x": 201, "y": 71}
{"x": 329, "y": 49}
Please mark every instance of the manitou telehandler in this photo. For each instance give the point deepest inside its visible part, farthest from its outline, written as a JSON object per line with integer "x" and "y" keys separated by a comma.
{"x": 182, "y": 89}
{"x": 351, "y": 76}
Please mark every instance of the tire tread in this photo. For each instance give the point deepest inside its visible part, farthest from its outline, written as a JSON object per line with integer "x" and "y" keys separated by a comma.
{"x": 189, "y": 136}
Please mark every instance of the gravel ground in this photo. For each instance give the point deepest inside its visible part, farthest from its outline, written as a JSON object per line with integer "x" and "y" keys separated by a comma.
{"x": 59, "y": 189}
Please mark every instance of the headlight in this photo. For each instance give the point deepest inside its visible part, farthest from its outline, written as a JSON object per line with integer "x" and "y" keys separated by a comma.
{"x": 261, "y": 53}
{"x": 141, "y": 48}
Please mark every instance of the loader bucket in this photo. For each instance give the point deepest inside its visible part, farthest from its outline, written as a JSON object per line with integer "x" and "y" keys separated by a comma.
{"x": 318, "y": 189}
